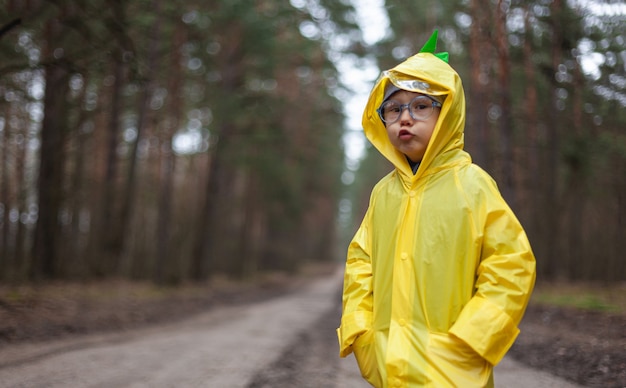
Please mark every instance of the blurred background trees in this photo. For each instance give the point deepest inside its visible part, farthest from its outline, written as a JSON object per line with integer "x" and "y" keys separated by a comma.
{"x": 179, "y": 140}
{"x": 165, "y": 140}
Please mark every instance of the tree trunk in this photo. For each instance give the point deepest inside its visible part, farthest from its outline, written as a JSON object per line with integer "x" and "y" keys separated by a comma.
{"x": 78, "y": 188}
{"x": 616, "y": 267}
{"x": 551, "y": 178}
{"x": 111, "y": 243}
{"x": 506, "y": 123}
{"x": 219, "y": 170}
{"x": 51, "y": 163}
{"x": 18, "y": 264}
{"x": 147, "y": 89}
{"x": 200, "y": 260}
{"x": 164, "y": 263}
{"x": 113, "y": 240}
{"x": 576, "y": 191}
{"x": 531, "y": 181}
{"x": 5, "y": 200}
{"x": 477, "y": 130}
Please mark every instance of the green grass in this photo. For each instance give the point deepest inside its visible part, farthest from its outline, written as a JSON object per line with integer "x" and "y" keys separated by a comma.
{"x": 605, "y": 298}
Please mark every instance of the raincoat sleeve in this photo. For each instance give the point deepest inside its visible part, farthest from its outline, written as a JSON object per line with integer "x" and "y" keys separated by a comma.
{"x": 505, "y": 278}
{"x": 357, "y": 290}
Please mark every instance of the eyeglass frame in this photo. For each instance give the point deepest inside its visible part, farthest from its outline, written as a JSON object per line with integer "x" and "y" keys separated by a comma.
{"x": 434, "y": 104}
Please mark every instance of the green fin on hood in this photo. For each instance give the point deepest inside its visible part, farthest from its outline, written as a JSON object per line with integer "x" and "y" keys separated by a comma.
{"x": 431, "y": 46}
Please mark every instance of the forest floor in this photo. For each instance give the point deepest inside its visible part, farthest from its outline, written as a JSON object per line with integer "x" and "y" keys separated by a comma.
{"x": 584, "y": 344}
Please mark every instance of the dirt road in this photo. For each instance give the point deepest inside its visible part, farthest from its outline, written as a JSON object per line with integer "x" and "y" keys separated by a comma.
{"x": 284, "y": 342}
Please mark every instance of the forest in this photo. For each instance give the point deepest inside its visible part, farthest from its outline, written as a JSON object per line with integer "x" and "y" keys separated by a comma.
{"x": 176, "y": 141}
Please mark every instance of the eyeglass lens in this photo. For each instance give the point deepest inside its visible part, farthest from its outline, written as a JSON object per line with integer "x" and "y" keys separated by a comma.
{"x": 420, "y": 108}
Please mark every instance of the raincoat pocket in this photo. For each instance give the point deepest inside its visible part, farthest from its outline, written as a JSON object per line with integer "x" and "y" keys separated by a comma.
{"x": 455, "y": 364}
{"x": 365, "y": 353}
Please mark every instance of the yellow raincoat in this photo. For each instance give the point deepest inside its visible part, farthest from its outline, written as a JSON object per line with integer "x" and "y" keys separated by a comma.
{"x": 440, "y": 271}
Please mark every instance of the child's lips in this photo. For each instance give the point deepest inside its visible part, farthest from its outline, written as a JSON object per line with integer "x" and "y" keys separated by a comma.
{"x": 404, "y": 134}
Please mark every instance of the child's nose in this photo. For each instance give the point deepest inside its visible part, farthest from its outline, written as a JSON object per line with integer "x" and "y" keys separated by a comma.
{"x": 405, "y": 114}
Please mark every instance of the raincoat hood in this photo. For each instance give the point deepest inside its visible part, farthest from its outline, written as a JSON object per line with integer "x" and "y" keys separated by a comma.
{"x": 426, "y": 73}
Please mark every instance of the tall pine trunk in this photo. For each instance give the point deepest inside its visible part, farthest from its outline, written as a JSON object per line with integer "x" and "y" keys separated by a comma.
{"x": 504, "y": 92}
{"x": 477, "y": 129}
{"x": 550, "y": 183}
{"x": 147, "y": 85}
{"x": 530, "y": 162}
{"x": 220, "y": 170}
{"x": 5, "y": 223}
{"x": 164, "y": 270}
{"x": 51, "y": 161}
{"x": 109, "y": 220}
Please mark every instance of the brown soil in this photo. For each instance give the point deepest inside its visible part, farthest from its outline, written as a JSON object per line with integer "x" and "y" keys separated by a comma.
{"x": 58, "y": 310}
{"x": 582, "y": 346}
{"x": 586, "y": 347}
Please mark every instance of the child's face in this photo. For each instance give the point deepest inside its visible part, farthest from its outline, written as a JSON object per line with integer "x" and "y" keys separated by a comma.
{"x": 410, "y": 136}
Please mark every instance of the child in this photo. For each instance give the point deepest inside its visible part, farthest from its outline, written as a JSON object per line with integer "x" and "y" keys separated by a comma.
{"x": 440, "y": 271}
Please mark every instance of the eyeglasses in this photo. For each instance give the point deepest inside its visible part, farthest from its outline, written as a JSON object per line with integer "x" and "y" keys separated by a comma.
{"x": 420, "y": 108}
